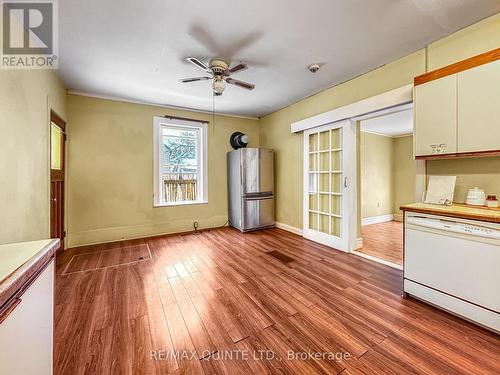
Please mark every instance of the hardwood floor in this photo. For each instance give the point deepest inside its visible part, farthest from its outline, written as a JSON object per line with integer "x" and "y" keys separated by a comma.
{"x": 218, "y": 303}
{"x": 383, "y": 241}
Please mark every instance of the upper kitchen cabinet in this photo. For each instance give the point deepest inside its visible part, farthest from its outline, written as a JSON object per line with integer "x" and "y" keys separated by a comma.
{"x": 479, "y": 108}
{"x": 436, "y": 116}
{"x": 456, "y": 109}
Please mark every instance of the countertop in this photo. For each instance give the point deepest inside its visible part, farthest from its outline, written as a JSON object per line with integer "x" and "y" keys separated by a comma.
{"x": 457, "y": 210}
{"x": 20, "y": 262}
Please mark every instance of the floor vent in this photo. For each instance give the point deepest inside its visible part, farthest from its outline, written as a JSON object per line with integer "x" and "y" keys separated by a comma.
{"x": 280, "y": 256}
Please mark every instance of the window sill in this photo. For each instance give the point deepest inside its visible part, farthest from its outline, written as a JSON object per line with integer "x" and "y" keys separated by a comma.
{"x": 185, "y": 203}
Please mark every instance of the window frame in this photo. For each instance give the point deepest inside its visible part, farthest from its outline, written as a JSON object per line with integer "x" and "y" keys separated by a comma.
{"x": 202, "y": 150}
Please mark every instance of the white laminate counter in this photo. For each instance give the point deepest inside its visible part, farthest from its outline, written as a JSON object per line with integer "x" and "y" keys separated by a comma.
{"x": 457, "y": 210}
{"x": 19, "y": 261}
{"x": 13, "y": 256}
{"x": 27, "y": 307}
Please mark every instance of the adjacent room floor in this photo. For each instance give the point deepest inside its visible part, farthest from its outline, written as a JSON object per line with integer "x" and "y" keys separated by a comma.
{"x": 265, "y": 302}
{"x": 383, "y": 241}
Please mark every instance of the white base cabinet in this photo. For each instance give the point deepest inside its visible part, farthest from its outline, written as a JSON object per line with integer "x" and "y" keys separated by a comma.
{"x": 26, "y": 335}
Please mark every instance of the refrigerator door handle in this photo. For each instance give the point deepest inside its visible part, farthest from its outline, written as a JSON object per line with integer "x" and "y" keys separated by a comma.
{"x": 259, "y": 198}
{"x": 260, "y": 194}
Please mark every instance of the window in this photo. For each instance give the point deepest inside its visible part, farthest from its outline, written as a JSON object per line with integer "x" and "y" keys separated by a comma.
{"x": 56, "y": 146}
{"x": 180, "y": 162}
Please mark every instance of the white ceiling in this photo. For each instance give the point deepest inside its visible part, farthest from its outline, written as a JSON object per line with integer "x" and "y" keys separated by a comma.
{"x": 390, "y": 125}
{"x": 136, "y": 50}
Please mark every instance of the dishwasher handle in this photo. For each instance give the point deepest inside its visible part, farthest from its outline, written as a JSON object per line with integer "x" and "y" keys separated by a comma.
{"x": 430, "y": 222}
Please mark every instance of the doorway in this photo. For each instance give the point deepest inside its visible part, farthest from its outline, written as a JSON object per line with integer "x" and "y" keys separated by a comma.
{"x": 387, "y": 180}
{"x": 328, "y": 194}
{"x": 57, "y": 168}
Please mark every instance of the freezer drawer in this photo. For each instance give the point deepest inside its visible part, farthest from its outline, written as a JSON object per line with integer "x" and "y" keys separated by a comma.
{"x": 258, "y": 213}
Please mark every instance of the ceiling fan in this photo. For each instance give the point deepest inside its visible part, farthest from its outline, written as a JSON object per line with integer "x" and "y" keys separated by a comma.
{"x": 218, "y": 71}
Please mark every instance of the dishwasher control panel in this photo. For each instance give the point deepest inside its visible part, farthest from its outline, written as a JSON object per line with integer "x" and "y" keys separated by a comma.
{"x": 454, "y": 226}
{"x": 472, "y": 229}
{"x": 480, "y": 231}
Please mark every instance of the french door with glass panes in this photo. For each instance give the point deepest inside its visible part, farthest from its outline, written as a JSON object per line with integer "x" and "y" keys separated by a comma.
{"x": 328, "y": 171}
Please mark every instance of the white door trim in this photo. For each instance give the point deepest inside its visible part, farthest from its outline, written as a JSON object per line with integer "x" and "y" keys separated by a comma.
{"x": 378, "y": 260}
{"x": 401, "y": 95}
{"x": 347, "y": 241}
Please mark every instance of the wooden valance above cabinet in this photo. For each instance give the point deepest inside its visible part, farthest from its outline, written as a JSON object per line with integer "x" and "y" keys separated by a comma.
{"x": 457, "y": 109}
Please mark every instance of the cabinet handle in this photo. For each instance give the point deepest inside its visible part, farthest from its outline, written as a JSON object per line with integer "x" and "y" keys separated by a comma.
{"x": 438, "y": 148}
{"x": 7, "y": 310}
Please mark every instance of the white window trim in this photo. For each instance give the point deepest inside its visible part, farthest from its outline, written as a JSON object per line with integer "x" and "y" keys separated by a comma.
{"x": 202, "y": 151}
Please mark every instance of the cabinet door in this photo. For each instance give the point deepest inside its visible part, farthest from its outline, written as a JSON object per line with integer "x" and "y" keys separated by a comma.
{"x": 479, "y": 108}
{"x": 26, "y": 334}
{"x": 436, "y": 117}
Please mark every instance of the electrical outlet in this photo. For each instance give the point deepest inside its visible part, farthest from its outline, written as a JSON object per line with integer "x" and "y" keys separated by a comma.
{"x": 195, "y": 225}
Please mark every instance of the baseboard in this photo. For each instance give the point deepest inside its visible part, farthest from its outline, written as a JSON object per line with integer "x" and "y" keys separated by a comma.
{"x": 359, "y": 243}
{"x": 398, "y": 217}
{"x": 381, "y": 261}
{"x": 120, "y": 233}
{"x": 289, "y": 228}
{"x": 377, "y": 219}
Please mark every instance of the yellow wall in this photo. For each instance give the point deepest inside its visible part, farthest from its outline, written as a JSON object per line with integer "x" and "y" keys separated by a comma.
{"x": 275, "y": 127}
{"x": 110, "y": 177}
{"x": 404, "y": 174}
{"x": 483, "y": 173}
{"x": 26, "y": 97}
{"x": 481, "y": 37}
{"x": 110, "y": 150}
{"x": 387, "y": 174}
{"x": 376, "y": 175}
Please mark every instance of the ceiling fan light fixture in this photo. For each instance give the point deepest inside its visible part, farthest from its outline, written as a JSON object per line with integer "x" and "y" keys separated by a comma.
{"x": 220, "y": 73}
{"x": 218, "y": 66}
{"x": 218, "y": 85}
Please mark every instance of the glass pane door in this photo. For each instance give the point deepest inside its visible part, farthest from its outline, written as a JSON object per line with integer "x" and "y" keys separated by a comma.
{"x": 324, "y": 201}
{"x": 57, "y": 166}
{"x": 56, "y": 147}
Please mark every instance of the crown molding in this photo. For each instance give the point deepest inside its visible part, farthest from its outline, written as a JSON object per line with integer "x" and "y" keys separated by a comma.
{"x": 125, "y": 100}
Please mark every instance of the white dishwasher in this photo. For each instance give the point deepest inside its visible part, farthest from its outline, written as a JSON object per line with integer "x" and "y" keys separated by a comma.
{"x": 454, "y": 264}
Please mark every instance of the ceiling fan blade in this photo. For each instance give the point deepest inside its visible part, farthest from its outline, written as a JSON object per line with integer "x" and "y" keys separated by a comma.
{"x": 199, "y": 64}
{"x": 238, "y": 68}
{"x": 242, "y": 84}
{"x": 186, "y": 80}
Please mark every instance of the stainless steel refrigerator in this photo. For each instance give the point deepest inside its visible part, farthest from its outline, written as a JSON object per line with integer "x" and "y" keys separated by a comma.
{"x": 251, "y": 188}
